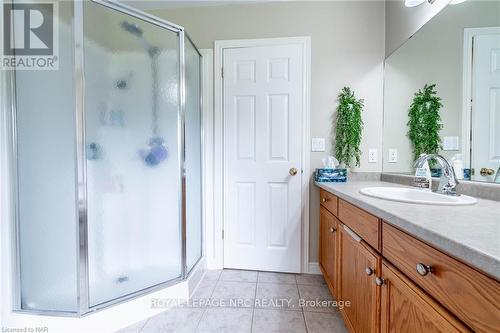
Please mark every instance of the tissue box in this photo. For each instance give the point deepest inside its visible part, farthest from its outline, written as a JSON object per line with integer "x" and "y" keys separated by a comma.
{"x": 467, "y": 174}
{"x": 330, "y": 175}
{"x": 436, "y": 172}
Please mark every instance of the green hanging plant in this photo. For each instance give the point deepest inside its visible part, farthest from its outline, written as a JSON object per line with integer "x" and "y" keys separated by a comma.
{"x": 348, "y": 128}
{"x": 424, "y": 122}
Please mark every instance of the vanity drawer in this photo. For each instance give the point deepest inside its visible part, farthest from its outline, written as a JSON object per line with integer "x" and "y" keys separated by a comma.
{"x": 329, "y": 201}
{"x": 364, "y": 224}
{"x": 470, "y": 295}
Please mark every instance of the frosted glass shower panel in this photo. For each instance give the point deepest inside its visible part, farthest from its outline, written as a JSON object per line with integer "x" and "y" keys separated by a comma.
{"x": 132, "y": 157}
{"x": 46, "y": 180}
{"x": 193, "y": 156}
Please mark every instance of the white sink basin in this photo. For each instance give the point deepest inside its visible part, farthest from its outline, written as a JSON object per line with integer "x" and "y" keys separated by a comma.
{"x": 417, "y": 196}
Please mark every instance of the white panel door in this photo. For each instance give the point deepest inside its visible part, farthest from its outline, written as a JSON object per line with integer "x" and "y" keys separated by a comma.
{"x": 486, "y": 105}
{"x": 263, "y": 109}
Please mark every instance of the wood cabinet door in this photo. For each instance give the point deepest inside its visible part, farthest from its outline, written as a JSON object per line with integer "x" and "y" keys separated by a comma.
{"x": 406, "y": 308}
{"x": 328, "y": 247}
{"x": 358, "y": 266}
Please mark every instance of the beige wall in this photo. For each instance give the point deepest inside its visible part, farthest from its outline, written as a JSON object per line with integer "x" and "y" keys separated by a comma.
{"x": 347, "y": 48}
{"x": 402, "y": 22}
{"x": 433, "y": 55}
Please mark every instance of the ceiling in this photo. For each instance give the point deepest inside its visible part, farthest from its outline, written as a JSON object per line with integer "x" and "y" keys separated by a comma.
{"x": 168, "y": 4}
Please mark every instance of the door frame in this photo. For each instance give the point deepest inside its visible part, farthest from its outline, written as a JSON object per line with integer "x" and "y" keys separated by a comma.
{"x": 216, "y": 252}
{"x": 469, "y": 34}
{"x": 208, "y": 145}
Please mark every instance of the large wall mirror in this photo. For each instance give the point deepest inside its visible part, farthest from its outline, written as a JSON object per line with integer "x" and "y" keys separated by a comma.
{"x": 442, "y": 93}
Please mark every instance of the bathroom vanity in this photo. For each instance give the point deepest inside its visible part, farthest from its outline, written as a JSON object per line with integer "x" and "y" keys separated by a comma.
{"x": 408, "y": 267}
{"x": 430, "y": 263}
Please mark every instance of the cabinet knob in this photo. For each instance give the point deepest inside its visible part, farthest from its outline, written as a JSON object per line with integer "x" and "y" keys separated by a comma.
{"x": 323, "y": 200}
{"x": 379, "y": 281}
{"x": 369, "y": 271}
{"x": 423, "y": 269}
{"x": 332, "y": 230}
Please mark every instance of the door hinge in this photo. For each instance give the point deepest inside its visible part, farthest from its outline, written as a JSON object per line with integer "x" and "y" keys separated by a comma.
{"x": 222, "y": 233}
{"x": 222, "y": 72}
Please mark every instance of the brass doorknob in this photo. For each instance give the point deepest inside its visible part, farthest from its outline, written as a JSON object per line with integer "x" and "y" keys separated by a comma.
{"x": 486, "y": 172}
{"x": 292, "y": 171}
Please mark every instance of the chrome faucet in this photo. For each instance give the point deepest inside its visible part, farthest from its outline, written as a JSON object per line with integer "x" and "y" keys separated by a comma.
{"x": 448, "y": 181}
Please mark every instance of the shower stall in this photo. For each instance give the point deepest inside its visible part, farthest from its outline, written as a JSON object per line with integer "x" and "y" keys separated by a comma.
{"x": 106, "y": 162}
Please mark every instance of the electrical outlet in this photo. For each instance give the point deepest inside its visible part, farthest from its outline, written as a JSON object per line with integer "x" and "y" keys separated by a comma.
{"x": 372, "y": 156}
{"x": 393, "y": 155}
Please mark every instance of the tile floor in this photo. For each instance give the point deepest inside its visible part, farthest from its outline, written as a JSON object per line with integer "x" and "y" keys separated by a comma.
{"x": 235, "y": 301}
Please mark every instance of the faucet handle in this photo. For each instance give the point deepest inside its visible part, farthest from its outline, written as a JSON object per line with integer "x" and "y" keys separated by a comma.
{"x": 449, "y": 173}
{"x": 448, "y": 182}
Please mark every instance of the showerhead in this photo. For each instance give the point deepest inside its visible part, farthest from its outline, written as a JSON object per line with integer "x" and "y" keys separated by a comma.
{"x": 132, "y": 28}
{"x": 135, "y": 30}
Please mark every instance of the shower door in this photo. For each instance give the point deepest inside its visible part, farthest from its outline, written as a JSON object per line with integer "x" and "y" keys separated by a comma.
{"x": 132, "y": 157}
{"x": 43, "y": 155}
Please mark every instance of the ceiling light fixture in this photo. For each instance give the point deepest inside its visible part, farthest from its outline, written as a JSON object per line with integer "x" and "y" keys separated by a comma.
{"x": 415, "y": 3}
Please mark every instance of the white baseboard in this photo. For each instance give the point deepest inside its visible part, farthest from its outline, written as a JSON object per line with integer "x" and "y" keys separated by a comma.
{"x": 196, "y": 276}
{"x": 314, "y": 268}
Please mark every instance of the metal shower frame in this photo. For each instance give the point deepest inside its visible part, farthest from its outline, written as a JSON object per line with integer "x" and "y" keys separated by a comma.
{"x": 83, "y": 306}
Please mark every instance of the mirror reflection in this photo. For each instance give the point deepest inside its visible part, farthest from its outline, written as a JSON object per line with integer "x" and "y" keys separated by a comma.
{"x": 442, "y": 94}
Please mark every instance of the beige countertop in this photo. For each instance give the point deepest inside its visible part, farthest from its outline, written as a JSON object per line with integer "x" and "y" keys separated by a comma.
{"x": 469, "y": 233}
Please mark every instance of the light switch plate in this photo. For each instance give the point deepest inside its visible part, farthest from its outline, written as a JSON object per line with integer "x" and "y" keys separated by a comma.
{"x": 372, "y": 155}
{"x": 450, "y": 143}
{"x": 393, "y": 155}
{"x": 318, "y": 144}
